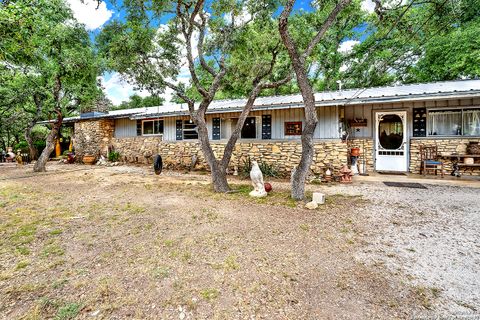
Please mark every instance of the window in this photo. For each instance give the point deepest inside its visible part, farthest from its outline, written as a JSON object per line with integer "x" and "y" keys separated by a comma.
{"x": 471, "y": 122}
{"x": 152, "y": 127}
{"x": 293, "y": 128}
{"x": 189, "y": 130}
{"x": 249, "y": 130}
{"x": 458, "y": 122}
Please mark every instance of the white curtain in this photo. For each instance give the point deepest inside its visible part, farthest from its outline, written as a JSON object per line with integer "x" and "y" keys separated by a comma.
{"x": 471, "y": 122}
{"x": 445, "y": 123}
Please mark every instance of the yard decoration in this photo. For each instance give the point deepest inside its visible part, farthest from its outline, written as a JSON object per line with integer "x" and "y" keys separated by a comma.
{"x": 346, "y": 174}
{"x": 257, "y": 181}
{"x": 158, "y": 164}
{"x": 88, "y": 159}
{"x": 268, "y": 187}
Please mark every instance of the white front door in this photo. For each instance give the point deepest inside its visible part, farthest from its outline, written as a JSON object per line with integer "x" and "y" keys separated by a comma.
{"x": 391, "y": 146}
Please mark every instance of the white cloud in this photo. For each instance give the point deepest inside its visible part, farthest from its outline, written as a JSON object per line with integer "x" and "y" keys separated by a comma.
{"x": 347, "y": 46}
{"x": 88, "y": 13}
{"x": 368, "y": 5}
{"x": 118, "y": 90}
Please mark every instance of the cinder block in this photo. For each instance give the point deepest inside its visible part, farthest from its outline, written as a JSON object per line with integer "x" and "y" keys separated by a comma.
{"x": 318, "y": 197}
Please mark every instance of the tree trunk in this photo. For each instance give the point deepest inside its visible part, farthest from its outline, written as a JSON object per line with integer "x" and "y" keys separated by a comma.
{"x": 31, "y": 147}
{"x": 219, "y": 173}
{"x": 40, "y": 165}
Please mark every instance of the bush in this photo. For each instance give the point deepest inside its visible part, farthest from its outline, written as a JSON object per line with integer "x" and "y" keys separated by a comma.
{"x": 113, "y": 156}
{"x": 268, "y": 170}
{"x": 23, "y": 146}
{"x": 40, "y": 145}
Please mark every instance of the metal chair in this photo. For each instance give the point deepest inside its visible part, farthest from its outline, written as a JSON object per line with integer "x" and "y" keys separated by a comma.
{"x": 429, "y": 160}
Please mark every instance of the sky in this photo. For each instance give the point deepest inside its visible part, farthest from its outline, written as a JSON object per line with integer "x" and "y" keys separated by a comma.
{"x": 118, "y": 90}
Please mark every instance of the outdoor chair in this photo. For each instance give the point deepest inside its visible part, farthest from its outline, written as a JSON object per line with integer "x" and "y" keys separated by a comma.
{"x": 429, "y": 160}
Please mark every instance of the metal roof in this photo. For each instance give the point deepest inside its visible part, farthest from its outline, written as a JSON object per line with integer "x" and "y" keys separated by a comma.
{"x": 397, "y": 93}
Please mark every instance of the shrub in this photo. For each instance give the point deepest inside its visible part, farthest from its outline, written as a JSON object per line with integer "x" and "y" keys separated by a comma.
{"x": 23, "y": 146}
{"x": 268, "y": 170}
{"x": 113, "y": 156}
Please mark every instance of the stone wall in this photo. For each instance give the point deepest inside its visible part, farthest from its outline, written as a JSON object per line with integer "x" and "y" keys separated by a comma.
{"x": 93, "y": 137}
{"x": 366, "y": 149}
{"x": 445, "y": 146}
{"x": 282, "y": 154}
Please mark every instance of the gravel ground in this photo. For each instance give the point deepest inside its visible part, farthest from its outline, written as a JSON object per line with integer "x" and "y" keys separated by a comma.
{"x": 429, "y": 235}
{"x": 123, "y": 243}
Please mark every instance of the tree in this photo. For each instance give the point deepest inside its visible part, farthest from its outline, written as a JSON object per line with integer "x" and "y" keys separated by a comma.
{"x": 136, "y": 101}
{"x": 417, "y": 41}
{"x": 45, "y": 41}
{"x": 151, "y": 57}
{"x": 299, "y": 64}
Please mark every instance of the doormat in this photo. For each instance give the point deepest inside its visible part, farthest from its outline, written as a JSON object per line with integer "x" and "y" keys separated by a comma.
{"x": 405, "y": 185}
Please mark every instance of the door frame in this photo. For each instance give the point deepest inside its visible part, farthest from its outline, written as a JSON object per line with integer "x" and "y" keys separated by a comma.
{"x": 406, "y": 139}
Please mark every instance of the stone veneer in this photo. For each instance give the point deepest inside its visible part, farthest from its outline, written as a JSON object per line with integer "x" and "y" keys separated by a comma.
{"x": 282, "y": 154}
{"x": 444, "y": 146}
{"x": 366, "y": 149}
{"x": 93, "y": 137}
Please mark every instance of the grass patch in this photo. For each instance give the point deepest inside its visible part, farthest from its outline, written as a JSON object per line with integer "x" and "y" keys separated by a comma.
{"x": 209, "y": 294}
{"x": 52, "y": 250}
{"x": 55, "y": 232}
{"x": 161, "y": 272}
{"x": 231, "y": 263}
{"x": 24, "y": 251}
{"x": 68, "y": 311}
{"x": 22, "y": 265}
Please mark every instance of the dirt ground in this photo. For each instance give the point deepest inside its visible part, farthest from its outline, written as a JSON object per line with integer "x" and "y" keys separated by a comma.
{"x": 121, "y": 243}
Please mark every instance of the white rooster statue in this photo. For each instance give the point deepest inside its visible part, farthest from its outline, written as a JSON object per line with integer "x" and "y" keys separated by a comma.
{"x": 257, "y": 181}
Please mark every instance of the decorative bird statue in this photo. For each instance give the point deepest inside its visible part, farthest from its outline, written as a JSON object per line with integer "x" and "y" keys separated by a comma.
{"x": 257, "y": 181}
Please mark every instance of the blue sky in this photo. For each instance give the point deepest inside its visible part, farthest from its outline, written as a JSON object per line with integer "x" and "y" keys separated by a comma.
{"x": 117, "y": 89}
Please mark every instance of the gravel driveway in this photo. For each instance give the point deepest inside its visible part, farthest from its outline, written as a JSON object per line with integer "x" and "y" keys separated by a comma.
{"x": 429, "y": 235}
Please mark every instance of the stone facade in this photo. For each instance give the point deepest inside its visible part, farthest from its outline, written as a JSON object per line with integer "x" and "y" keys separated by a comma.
{"x": 444, "y": 146}
{"x": 366, "y": 149}
{"x": 93, "y": 137}
{"x": 284, "y": 155}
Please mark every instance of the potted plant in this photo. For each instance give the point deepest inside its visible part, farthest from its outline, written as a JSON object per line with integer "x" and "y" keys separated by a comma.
{"x": 89, "y": 159}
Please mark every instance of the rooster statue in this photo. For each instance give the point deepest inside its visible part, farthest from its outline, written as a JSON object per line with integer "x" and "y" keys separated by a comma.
{"x": 257, "y": 181}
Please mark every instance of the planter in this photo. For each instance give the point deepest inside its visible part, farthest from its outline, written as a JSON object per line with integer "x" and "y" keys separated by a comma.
{"x": 355, "y": 152}
{"x": 88, "y": 159}
{"x": 473, "y": 148}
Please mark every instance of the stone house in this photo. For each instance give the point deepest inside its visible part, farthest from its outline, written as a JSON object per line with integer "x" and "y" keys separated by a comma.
{"x": 388, "y": 124}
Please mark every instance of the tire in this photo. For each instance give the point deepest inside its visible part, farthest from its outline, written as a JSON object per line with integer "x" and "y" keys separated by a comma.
{"x": 158, "y": 164}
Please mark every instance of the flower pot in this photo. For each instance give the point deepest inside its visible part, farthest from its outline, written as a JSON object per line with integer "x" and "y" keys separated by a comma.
{"x": 355, "y": 152}
{"x": 88, "y": 159}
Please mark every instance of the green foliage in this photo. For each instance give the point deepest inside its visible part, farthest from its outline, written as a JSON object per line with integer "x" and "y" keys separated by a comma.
{"x": 428, "y": 41}
{"x": 22, "y": 146}
{"x": 268, "y": 170}
{"x": 68, "y": 311}
{"x": 49, "y": 66}
{"x": 113, "y": 156}
{"x": 136, "y": 101}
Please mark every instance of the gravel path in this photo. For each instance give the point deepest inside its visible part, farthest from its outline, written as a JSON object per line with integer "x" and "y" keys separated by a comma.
{"x": 429, "y": 235}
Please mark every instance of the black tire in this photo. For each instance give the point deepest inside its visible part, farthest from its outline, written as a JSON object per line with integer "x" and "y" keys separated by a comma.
{"x": 157, "y": 164}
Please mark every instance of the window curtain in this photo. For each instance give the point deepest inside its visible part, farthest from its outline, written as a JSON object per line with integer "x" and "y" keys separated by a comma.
{"x": 471, "y": 122}
{"x": 445, "y": 123}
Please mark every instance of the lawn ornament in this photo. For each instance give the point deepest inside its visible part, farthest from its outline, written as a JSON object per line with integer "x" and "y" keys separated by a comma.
{"x": 19, "y": 158}
{"x": 158, "y": 164}
{"x": 257, "y": 181}
{"x": 268, "y": 187}
{"x": 346, "y": 175}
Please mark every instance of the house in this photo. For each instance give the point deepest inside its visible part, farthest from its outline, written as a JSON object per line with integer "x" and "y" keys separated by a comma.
{"x": 388, "y": 124}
